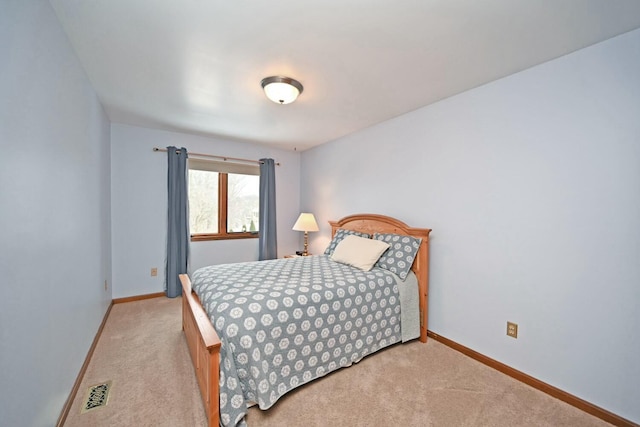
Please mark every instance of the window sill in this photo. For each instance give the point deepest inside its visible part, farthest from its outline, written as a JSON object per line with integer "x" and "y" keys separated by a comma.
{"x": 230, "y": 236}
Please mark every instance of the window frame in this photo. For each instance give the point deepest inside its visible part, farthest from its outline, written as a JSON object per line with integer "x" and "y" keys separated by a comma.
{"x": 223, "y": 170}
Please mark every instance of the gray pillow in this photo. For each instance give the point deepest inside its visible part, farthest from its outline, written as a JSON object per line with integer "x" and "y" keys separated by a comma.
{"x": 399, "y": 257}
{"x": 341, "y": 233}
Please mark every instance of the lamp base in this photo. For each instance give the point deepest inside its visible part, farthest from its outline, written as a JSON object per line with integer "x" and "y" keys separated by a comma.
{"x": 306, "y": 244}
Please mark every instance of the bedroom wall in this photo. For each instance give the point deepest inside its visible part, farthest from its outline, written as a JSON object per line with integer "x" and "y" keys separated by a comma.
{"x": 139, "y": 205}
{"x": 55, "y": 218}
{"x": 532, "y": 187}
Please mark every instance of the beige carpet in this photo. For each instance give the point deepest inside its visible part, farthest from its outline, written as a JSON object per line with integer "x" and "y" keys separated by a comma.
{"x": 142, "y": 350}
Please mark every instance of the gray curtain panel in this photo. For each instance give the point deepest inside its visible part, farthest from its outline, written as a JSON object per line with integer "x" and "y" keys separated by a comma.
{"x": 268, "y": 247}
{"x": 177, "y": 221}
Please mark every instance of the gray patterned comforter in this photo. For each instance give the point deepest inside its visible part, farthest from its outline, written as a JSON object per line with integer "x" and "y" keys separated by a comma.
{"x": 283, "y": 323}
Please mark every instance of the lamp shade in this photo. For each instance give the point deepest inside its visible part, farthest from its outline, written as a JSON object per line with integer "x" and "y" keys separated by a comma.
{"x": 281, "y": 90}
{"x": 306, "y": 222}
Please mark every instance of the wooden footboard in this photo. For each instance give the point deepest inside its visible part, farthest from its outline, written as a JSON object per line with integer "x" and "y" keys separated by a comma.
{"x": 204, "y": 347}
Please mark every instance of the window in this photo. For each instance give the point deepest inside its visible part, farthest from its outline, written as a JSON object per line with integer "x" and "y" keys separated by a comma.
{"x": 223, "y": 200}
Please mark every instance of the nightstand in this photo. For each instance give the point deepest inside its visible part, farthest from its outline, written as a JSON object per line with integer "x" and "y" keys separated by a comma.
{"x": 292, "y": 256}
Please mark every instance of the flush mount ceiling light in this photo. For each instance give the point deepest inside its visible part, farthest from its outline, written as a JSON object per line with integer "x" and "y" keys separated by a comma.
{"x": 281, "y": 90}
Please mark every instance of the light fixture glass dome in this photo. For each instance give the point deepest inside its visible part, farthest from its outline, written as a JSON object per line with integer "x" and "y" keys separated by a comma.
{"x": 281, "y": 90}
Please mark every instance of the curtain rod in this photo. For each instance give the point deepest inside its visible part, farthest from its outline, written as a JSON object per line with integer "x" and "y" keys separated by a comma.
{"x": 224, "y": 158}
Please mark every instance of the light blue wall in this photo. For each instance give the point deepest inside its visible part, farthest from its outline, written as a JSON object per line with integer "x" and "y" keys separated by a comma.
{"x": 55, "y": 249}
{"x": 532, "y": 187}
{"x": 139, "y": 205}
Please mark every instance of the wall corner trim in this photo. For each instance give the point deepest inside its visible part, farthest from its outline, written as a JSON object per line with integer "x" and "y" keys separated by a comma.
{"x": 138, "y": 297}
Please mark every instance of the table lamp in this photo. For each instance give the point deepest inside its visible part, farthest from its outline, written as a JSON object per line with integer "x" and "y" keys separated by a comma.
{"x": 306, "y": 222}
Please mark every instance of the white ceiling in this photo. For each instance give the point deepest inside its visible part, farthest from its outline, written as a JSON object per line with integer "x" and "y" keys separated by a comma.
{"x": 196, "y": 65}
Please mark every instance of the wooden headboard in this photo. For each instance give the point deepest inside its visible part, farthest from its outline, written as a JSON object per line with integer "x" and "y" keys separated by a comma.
{"x": 372, "y": 223}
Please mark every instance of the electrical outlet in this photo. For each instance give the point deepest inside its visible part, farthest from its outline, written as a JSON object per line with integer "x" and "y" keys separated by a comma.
{"x": 154, "y": 272}
{"x": 512, "y": 329}
{"x": 105, "y": 285}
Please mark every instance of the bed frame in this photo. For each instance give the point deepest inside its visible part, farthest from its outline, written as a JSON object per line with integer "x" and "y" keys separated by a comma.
{"x": 204, "y": 343}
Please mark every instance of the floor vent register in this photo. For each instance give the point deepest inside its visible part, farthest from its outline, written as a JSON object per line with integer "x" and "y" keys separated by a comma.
{"x": 97, "y": 397}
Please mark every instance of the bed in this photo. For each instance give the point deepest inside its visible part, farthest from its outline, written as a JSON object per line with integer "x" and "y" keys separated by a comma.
{"x": 256, "y": 359}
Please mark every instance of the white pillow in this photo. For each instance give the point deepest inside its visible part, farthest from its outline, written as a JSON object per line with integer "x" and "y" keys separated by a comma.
{"x": 359, "y": 252}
